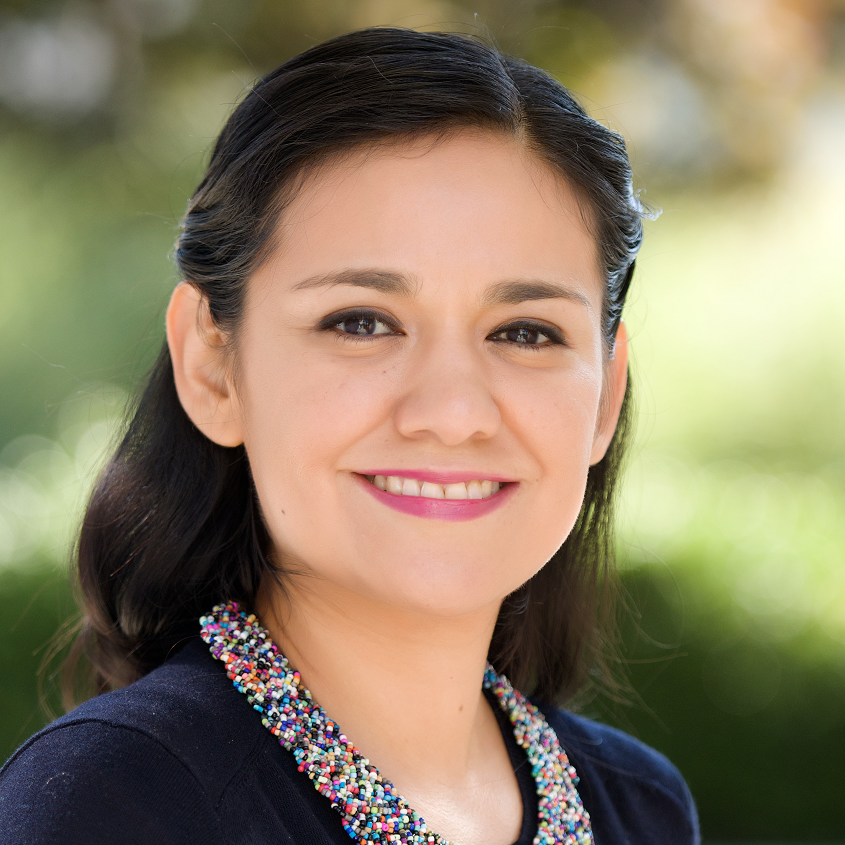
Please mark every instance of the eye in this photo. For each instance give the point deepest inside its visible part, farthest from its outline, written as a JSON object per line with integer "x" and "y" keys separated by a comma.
{"x": 358, "y": 324}
{"x": 365, "y": 325}
{"x": 527, "y": 334}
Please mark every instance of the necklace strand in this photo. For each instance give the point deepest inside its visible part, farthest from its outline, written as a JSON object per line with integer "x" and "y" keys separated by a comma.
{"x": 371, "y": 809}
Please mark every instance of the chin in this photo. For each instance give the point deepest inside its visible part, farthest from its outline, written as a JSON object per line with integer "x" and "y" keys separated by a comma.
{"x": 446, "y": 588}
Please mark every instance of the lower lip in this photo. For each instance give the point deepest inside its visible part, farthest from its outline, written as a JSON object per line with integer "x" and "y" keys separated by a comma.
{"x": 451, "y": 510}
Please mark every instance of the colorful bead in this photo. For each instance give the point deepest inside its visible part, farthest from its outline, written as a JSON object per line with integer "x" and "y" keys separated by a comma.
{"x": 370, "y": 808}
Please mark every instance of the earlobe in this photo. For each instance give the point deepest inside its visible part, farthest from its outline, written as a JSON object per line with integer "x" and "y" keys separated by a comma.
{"x": 203, "y": 382}
{"x": 616, "y": 375}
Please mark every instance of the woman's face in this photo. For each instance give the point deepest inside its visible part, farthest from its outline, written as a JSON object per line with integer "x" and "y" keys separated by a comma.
{"x": 428, "y": 323}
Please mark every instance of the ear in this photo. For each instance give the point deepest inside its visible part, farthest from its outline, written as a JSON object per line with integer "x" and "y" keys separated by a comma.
{"x": 616, "y": 380}
{"x": 203, "y": 379}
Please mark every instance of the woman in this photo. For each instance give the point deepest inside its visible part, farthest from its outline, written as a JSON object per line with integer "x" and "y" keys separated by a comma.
{"x": 387, "y": 423}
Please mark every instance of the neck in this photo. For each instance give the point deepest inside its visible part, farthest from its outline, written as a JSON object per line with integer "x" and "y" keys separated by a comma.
{"x": 405, "y": 687}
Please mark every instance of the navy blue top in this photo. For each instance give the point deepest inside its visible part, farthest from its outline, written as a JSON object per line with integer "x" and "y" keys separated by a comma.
{"x": 180, "y": 757}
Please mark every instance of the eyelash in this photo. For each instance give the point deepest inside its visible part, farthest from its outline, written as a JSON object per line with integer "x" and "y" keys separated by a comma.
{"x": 331, "y": 323}
{"x": 553, "y": 336}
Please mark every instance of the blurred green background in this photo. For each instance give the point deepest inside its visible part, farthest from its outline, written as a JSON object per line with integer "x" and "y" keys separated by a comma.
{"x": 733, "y": 521}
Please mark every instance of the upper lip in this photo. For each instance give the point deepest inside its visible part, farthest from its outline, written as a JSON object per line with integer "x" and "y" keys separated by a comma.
{"x": 440, "y": 476}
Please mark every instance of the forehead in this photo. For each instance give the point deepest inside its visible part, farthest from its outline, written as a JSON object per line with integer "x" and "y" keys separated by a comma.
{"x": 472, "y": 205}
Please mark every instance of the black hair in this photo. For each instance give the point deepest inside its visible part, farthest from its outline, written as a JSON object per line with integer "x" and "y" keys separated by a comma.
{"x": 173, "y": 525}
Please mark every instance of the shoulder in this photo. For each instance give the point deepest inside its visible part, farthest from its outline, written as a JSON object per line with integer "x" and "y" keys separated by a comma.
{"x": 633, "y": 793}
{"x": 616, "y": 754}
{"x": 171, "y": 741}
{"x": 187, "y": 707}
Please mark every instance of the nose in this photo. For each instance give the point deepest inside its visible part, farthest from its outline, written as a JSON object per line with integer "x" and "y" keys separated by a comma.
{"x": 447, "y": 395}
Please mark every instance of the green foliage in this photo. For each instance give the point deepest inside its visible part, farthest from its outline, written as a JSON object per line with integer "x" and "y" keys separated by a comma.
{"x": 753, "y": 725}
{"x": 37, "y": 602}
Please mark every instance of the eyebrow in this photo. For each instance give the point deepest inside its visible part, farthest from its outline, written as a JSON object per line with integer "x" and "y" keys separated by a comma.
{"x": 514, "y": 292}
{"x": 398, "y": 284}
{"x": 383, "y": 281}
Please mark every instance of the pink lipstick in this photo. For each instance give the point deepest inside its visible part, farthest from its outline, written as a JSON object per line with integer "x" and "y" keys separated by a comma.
{"x": 455, "y": 510}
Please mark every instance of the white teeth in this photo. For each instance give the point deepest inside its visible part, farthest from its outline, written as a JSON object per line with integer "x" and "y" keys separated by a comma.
{"x": 400, "y": 486}
{"x": 410, "y": 487}
{"x": 457, "y": 491}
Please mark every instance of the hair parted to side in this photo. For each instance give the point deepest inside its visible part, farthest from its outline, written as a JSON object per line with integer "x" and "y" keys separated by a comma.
{"x": 173, "y": 525}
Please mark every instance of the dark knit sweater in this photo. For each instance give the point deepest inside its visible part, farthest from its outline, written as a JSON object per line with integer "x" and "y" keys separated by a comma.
{"x": 180, "y": 757}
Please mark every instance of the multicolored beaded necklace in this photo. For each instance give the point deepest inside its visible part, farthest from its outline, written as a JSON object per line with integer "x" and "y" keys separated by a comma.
{"x": 369, "y": 805}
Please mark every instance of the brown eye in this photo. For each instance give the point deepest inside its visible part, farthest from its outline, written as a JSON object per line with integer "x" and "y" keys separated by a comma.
{"x": 358, "y": 325}
{"x": 526, "y": 335}
{"x": 361, "y": 325}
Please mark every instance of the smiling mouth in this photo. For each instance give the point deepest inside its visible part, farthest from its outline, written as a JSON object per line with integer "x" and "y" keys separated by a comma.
{"x": 399, "y": 486}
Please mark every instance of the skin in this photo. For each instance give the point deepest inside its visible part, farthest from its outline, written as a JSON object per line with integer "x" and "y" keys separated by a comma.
{"x": 388, "y": 615}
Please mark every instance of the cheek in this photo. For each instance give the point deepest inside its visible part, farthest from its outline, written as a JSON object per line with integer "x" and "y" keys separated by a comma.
{"x": 555, "y": 423}
{"x": 302, "y": 413}
{"x": 555, "y": 419}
